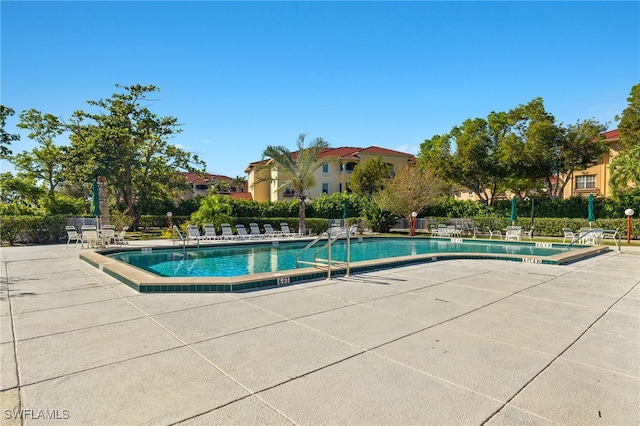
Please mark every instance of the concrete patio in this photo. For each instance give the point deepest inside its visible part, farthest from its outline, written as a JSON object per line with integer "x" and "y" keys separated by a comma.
{"x": 451, "y": 342}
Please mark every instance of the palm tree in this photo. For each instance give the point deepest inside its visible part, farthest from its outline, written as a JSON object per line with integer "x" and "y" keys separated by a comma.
{"x": 213, "y": 209}
{"x": 239, "y": 182}
{"x": 295, "y": 169}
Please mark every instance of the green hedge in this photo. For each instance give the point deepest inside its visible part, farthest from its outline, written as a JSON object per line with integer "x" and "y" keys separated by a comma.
{"x": 32, "y": 229}
{"x": 148, "y": 221}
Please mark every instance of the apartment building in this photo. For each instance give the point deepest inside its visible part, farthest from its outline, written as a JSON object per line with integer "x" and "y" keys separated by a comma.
{"x": 595, "y": 179}
{"x": 199, "y": 185}
{"x": 333, "y": 177}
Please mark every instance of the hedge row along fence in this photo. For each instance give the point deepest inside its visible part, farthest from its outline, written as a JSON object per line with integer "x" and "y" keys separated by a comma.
{"x": 50, "y": 229}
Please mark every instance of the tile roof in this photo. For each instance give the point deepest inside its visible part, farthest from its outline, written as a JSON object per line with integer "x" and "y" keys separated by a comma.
{"x": 241, "y": 195}
{"x": 207, "y": 177}
{"x": 611, "y": 135}
{"x": 347, "y": 152}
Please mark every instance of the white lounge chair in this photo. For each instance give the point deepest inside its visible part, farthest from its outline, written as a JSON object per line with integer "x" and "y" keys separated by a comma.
{"x": 590, "y": 236}
{"x": 497, "y": 233}
{"x": 530, "y": 234}
{"x": 286, "y": 231}
{"x": 108, "y": 234}
{"x": 453, "y": 231}
{"x": 209, "y": 232}
{"x": 568, "y": 233}
{"x": 270, "y": 232}
{"x": 72, "y": 235}
{"x": 119, "y": 239}
{"x": 255, "y": 231}
{"x": 242, "y": 232}
{"x": 90, "y": 236}
{"x": 227, "y": 232}
{"x": 193, "y": 233}
{"x": 513, "y": 233}
{"x": 440, "y": 231}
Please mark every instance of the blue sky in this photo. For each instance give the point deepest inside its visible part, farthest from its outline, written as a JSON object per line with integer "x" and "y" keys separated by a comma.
{"x": 241, "y": 76}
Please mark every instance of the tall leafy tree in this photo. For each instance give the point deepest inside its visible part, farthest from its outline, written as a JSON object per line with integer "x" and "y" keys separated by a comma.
{"x": 369, "y": 178}
{"x": 410, "y": 190}
{"x": 542, "y": 149}
{"x": 20, "y": 189}
{"x": 626, "y": 166}
{"x": 512, "y": 150}
{"x": 45, "y": 163}
{"x": 5, "y": 137}
{"x": 129, "y": 145}
{"x": 476, "y": 163}
{"x": 296, "y": 169}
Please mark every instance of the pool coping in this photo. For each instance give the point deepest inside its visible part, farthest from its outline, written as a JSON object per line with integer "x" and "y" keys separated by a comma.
{"x": 146, "y": 282}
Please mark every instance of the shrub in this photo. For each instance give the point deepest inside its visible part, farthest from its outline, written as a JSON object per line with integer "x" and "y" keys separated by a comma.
{"x": 32, "y": 229}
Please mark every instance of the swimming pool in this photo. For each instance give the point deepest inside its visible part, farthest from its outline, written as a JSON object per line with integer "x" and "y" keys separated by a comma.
{"x": 250, "y": 265}
{"x": 234, "y": 261}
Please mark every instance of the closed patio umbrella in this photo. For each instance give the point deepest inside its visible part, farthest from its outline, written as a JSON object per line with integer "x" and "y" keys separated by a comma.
{"x": 514, "y": 210}
{"x": 96, "y": 203}
{"x": 591, "y": 215}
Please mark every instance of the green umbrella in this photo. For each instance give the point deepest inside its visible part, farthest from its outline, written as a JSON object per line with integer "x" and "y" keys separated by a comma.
{"x": 591, "y": 216}
{"x": 514, "y": 210}
{"x": 96, "y": 201}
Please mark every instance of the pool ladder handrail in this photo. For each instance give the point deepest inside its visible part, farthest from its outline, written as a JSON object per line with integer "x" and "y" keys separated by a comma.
{"x": 182, "y": 238}
{"x": 326, "y": 262}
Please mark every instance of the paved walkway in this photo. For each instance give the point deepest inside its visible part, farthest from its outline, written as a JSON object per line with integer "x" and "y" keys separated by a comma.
{"x": 453, "y": 342}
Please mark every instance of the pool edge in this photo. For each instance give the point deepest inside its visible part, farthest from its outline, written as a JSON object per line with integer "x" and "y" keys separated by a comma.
{"x": 145, "y": 282}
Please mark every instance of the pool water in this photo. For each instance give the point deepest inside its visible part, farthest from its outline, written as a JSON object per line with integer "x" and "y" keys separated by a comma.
{"x": 245, "y": 259}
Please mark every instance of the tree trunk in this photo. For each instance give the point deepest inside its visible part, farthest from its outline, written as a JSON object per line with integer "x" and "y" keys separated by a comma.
{"x": 301, "y": 216}
{"x": 105, "y": 218}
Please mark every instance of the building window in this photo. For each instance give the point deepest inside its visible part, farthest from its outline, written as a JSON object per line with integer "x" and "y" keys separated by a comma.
{"x": 349, "y": 167}
{"x": 288, "y": 191}
{"x": 339, "y": 187}
{"x": 325, "y": 168}
{"x": 586, "y": 182}
{"x": 202, "y": 187}
{"x": 325, "y": 188}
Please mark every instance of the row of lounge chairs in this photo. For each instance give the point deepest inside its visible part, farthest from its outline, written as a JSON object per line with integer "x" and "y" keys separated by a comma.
{"x": 512, "y": 233}
{"x": 590, "y": 236}
{"x": 94, "y": 237}
{"x": 254, "y": 233}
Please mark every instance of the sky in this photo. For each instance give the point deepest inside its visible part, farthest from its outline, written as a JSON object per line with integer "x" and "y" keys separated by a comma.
{"x": 240, "y": 76}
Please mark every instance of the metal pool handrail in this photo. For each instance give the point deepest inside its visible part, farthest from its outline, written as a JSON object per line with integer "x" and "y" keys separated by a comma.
{"x": 307, "y": 247}
{"x": 184, "y": 240}
{"x": 328, "y": 245}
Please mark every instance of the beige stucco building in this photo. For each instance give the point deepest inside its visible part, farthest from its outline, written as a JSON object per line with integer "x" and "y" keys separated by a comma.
{"x": 595, "y": 179}
{"x": 333, "y": 177}
{"x": 200, "y": 185}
